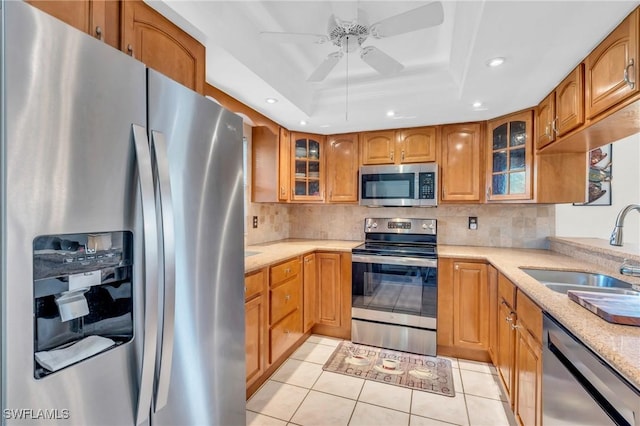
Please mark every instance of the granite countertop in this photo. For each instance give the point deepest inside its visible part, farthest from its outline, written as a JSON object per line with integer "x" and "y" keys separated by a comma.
{"x": 617, "y": 344}
{"x": 276, "y": 251}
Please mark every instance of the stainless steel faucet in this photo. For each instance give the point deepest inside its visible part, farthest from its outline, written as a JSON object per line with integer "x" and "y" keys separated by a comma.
{"x": 616, "y": 235}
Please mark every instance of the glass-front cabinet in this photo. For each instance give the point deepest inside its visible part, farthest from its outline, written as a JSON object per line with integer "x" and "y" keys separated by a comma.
{"x": 510, "y": 157}
{"x": 307, "y": 156}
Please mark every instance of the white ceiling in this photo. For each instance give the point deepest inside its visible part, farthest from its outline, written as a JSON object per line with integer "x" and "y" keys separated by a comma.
{"x": 445, "y": 69}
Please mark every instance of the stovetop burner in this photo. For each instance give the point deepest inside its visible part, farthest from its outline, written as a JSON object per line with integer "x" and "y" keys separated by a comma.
{"x": 399, "y": 237}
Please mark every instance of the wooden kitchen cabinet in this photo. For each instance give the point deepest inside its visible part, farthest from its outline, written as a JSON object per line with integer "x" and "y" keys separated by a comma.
{"x": 463, "y": 309}
{"x": 562, "y": 110}
{"x": 342, "y": 168}
{"x": 153, "y": 39}
{"x": 460, "y": 163}
{"x": 404, "y": 146}
{"x": 510, "y": 157}
{"x": 256, "y": 323}
{"x": 310, "y": 291}
{"x": 527, "y": 403}
{"x": 285, "y": 307}
{"x": 505, "y": 353}
{"x": 611, "y": 69}
{"x": 270, "y": 165}
{"x": 99, "y": 18}
{"x": 307, "y": 167}
{"x": 334, "y": 294}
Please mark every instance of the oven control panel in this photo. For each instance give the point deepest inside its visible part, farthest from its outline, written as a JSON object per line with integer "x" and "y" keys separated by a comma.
{"x": 400, "y": 226}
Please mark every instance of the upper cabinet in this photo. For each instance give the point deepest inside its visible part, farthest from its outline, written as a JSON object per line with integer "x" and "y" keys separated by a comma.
{"x": 99, "y": 18}
{"x": 510, "y": 157}
{"x": 270, "y": 165}
{"x": 612, "y": 68}
{"x": 561, "y": 111}
{"x": 460, "y": 163}
{"x": 415, "y": 145}
{"x": 342, "y": 168}
{"x": 307, "y": 166}
{"x": 151, "y": 38}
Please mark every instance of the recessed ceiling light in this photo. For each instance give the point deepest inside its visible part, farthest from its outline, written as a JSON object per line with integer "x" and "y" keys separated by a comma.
{"x": 391, "y": 113}
{"x": 495, "y": 62}
{"x": 303, "y": 123}
{"x": 477, "y": 104}
{"x": 271, "y": 100}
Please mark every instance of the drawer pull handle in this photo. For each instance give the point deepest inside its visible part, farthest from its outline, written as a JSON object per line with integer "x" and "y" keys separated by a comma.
{"x": 508, "y": 319}
{"x": 514, "y": 326}
{"x": 631, "y": 84}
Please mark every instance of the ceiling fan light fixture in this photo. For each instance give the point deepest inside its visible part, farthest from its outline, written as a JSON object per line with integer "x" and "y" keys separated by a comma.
{"x": 495, "y": 62}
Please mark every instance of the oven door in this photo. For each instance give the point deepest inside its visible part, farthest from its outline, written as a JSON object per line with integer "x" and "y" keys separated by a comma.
{"x": 395, "y": 290}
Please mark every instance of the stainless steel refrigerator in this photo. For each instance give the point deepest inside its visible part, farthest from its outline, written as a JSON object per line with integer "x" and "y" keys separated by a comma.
{"x": 121, "y": 251}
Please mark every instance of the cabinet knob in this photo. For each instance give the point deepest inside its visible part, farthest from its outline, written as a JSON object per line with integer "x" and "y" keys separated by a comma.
{"x": 402, "y": 155}
{"x": 282, "y": 191}
{"x": 391, "y": 156}
{"x": 99, "y": 32}
{"x": 514, "y": 326}
{"x": 508, "y": 319}
{"x": 287, "y": 297}
{"x": 457, "y": 267}
{"x": 130, "y": 49}
{"x": 631, "y": 84}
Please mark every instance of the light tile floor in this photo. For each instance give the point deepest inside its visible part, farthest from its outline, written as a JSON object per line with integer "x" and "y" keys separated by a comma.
{"x": 300, "y": 393}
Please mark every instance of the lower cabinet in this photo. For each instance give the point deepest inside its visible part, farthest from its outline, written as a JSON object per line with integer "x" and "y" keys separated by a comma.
{"x": 286, "y": 301}
{"x": 256, "y": 312}
{"x": 463, "y": 309}
{"x": 519, "y": 352}
{"x": 334, "y": 294}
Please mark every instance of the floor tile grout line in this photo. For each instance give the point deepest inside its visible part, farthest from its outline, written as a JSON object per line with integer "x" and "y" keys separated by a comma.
{"x": 266, "y": 415}
{"x": 299, "y": 405}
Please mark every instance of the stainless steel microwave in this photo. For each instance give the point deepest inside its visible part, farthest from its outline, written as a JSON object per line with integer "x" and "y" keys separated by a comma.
{"x": 399, "y": 185}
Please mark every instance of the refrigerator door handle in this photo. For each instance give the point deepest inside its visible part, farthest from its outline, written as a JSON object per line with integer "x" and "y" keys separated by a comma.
{"x": 150, "y": 279}
{"x": 163, "y": 186}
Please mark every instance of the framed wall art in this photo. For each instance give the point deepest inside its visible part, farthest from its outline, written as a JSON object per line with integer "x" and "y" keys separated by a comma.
{"x": 598, "y": 177}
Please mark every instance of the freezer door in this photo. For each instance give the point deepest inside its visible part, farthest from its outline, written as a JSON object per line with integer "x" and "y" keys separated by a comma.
{"x": 204, "y": 149}
{"x": 68, "y": 167}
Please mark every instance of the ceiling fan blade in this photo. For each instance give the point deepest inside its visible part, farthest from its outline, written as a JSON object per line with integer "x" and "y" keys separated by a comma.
{"x": 425, "y": 16}
{"x": 380, "y": 61}
{"x": 325, "y": 67}
{"x": 294, "y": 37}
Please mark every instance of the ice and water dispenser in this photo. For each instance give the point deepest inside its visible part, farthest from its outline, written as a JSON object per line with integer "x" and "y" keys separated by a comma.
{"x": 83, "y": 297}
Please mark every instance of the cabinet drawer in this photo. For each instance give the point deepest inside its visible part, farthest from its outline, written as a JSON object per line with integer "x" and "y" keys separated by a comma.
{"x": 506, "y": 290}
{"x": 529, "y": 315}
{"x": 285, "y": 271}
{"x": 284, "y": 334}
{"x": 254, "y": 284}
{"x": 285, "y": 299}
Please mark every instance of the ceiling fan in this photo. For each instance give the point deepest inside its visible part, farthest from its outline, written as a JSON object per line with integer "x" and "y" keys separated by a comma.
{"x": 348, "y": 36}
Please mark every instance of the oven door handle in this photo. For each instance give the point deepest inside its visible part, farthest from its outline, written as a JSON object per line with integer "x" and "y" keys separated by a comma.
{"x": 394, "y": 260}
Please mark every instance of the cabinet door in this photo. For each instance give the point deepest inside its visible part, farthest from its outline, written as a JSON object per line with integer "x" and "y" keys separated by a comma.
{"x": 609, "y": 64}
{"x": 528, "y": 395}
{"x": 310, "y": 292}
{"x": 284, "y": 164}
{"x": 255, "y": 328}
{"x": 417, "y": 145}
{"x": 99, "y": 18}
{"x": 307, "y": 167}
{"x": 378, "y": 147}
{"x": 470, "y": 305}
{"x": 570, "y": 102}
{"x": 151, "y": 38}
{"x": 460, "y": 164}
{"x": 545, "y": 116}
{"x": 505, "y": 349}
{"x": 342, "y": 168}
{"x": 329, "y": 300}
{"x": 510, "y": 157}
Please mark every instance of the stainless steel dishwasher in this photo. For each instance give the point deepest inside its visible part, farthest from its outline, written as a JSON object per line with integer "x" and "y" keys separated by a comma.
{"x": 578, "y": 387}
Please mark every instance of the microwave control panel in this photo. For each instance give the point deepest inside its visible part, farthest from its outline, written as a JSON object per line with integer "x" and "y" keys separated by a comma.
{"x": 427, "y": 185}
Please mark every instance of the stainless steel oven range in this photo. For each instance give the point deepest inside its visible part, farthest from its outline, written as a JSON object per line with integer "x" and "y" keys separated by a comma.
{"x": 394, "y": 285}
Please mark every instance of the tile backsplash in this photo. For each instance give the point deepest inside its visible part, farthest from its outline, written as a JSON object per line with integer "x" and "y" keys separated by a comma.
{"x": 522, "y": 226}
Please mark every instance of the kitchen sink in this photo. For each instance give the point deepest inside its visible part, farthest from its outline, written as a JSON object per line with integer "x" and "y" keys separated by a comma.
{"x": 563, "y": 281}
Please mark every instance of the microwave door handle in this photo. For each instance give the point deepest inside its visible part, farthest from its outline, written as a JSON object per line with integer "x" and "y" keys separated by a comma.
{"x": 167, "y": 232}
{"x": 150, "y": 278}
